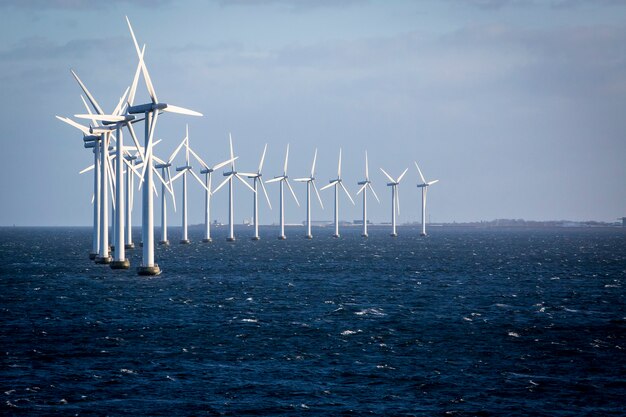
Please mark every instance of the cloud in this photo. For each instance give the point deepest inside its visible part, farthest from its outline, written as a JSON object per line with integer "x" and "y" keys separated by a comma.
{"x": 294, "y": 5}
{"x": 75, "y": 4}
{"x": 554, "y": 4}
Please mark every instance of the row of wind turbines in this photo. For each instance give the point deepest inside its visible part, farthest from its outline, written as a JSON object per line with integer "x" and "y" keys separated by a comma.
{"x": 115, "y": 166}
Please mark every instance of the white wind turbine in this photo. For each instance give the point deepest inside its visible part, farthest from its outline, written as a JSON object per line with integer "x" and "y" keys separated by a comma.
{"x": 283, "y": 179}
{"x": 182, "y": 171}
{"x": 151, "y": 111}
{"x": 164, "y": 166}
{"x": 310, "y": 181}
{"x": 365, "y": 184}
{"x": 395, "y": 199}
{"x": 257, "y": 180}
{"x": 424, "y": 186}
{"x": 337, "y": 182}
{"x": 208, "y": 173}
{"x": 230, "y": 176}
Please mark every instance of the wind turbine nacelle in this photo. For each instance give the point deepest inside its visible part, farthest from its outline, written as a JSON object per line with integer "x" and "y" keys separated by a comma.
{"x": 362, "y": 182}
{"x": 91, "y": 138}
{"x": 226, "y": 174}
{"x": 422, "y": 185}
{"x": 390, "y": 184}
{"x": 130, "y": 157}
{"x": 145, "y": 108}
{"x": 127, "y": 118}
{"x": 159, "y": 166}
{"x": 206, "y": 171}
{"x": 90, "y": 145}
{"x": 335, "y": 180}
{"x": 101, "y": 129}
{"x": 186, "y": 167}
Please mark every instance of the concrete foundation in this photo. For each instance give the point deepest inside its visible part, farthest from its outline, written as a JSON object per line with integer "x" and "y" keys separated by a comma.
{"x": 125, "y": 264}
{"x": 209, "y": 240}
{"x": 335, "y": 236}
{"x": 185, "y": 242}
{"x": 282, "y": 237}
{"x": 164, "y": 242}
{"x": 129, "y": 246}
{"x": 103, "y": 260}
{"x": 364, "y": 235}
{"x": 393, "y": 235}
{"x": 149, "y": 270}
{"x": 308, "y": 236}
{"x": 230, "y": 239}
{"x": 422, "y": 234}
{"x": 256, "y": 238}
{"x": 93, "y": 256}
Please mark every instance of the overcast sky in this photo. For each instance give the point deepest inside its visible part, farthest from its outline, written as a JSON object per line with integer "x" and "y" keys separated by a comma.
{"x": 518, "y": 107}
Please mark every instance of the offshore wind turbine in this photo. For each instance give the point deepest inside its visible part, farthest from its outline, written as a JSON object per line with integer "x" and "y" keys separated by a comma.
{"x": 182, "y": 171}
{"x": 395, "y": 199}
{"x": 151, "y": 111}
{"x": 257, "y": 180}
{"x": 365, "y": 184}
{"x": 337, "y": 182}
{"x": 164, "y": 166}
{"x": 310, "y": 182}
{"x": 208, "y": 173}
{"x": 424, "y": 186}
{"x": 283, "y": 179}
{"x": 230, "y": 176}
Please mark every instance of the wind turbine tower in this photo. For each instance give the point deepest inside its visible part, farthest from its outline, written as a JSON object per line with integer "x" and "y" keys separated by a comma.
{"x": 310, "y": 182}
{"x": 395, "y": 199}
{"x": 424, "y": 186}
{"x": 337, "y": 182}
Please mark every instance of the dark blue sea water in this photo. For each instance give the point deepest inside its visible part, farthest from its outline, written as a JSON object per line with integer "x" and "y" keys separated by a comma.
{"x": 461, "y": 323}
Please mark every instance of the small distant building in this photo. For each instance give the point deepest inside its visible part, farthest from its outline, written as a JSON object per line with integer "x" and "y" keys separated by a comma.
{"x": 623, "y": 221}
{"x": 360, "y": 222}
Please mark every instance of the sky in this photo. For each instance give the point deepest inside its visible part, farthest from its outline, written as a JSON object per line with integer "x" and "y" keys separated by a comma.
{"x": 516, "y": 106}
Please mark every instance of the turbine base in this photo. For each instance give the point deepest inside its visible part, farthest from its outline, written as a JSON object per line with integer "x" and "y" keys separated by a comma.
{"x": 282, "y": 237}
{"x": 129, "y": 246}
{"x": 336, "y": 235}
{"x": 102, "y": 260}
{"x": 125, "y": 264}
{"x": 308, "y": 236}
{"x": 149, "y": 270}
{"x": 93, "y": 256}
{"x": 185, "y": 242}
{"x": 364, "y": 235}
{"x": 230, "y": 239}
{"x": 393, "y": 235}
{"x": 163, "y": 243}
{"x": 423, "y": 234}
{"x": 207, "y": 240}
{"x": 256, "y": 238}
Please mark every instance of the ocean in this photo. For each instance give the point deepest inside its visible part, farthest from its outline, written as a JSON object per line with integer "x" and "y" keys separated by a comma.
{"x": 464, "y": 322}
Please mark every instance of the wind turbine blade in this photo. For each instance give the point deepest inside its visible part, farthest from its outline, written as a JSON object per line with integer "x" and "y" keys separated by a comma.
{"x": 301, "y": 179}
{"x": 94, "y": 121}
{"x": 387, "y": 175}
{"x": 104, "y": 117}
{"x": 361, "y": 189}
{"x": 420, "y": 172}
{"x": 240, "y": 178}
{"x": 93, "y": 197}
{"x": 89, "y": 168}
{"x": 319, "y": 198}
{"x": 232, "y": 154}
{"x": 397, "y": 199}
{"x": 339, "y": 166}
{"x": 328, "y": 185}
{"x": 118, "y": 108}
{"x": 133, "y": 86}
{"x": 373, "y": 192}
{"x": 72, "y": 123}
{"x": 313, "y": 166}
{"x": 131, "y": 167}
{"x": 347, "y": 193}
{"x": 274, "y": 180}
{"x": 400, "y": 177}
{"x": 247, "y": 174}
{"x": 262, "y": 159}
{"x": 265, "y": 192}
{"x": 148, "y": 150}
{"x": 177, "y": 176}
{"x": 144, "y": 69}
{"x": 195, "y": 155}
{"x": 165, "y": 183}
{"x": 292, "y": 193}
{"x": 156, "y": 193}
{"x": 432, "y": 182}
{"x": 173, "y": 155}
{"x": 135, "y": 140}
{"x": 286, "y": 160}
{"x": 223, "y": 164}
{"x": 92, "y": 100}
{"x": 228, "y": 178}
{"x": 199, "y": 180}
{"x": 181, "y": 110}
{"x": 367, "y": 168}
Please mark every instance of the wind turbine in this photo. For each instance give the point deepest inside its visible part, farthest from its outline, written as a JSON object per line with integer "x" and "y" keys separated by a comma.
{"x": 257, "y": 180}
{"x": 310, "y": 181}
{"x": 164, "y": 166}
{"x": 230, "y": 175}
{"x": 208, "y": 173}
{"x": 395, "y": 199}
{"x": 337, "y": 182}
{"x": 283, "y": 179}
{"x": 182, "y": 171}
{"x": 424, "y": 186}
{"x": 365, "y": 184}
{"x": 151, "y": 111}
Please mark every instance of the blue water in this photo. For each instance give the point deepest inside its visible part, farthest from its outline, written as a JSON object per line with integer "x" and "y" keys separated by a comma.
{"x": 461, "y": 323}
